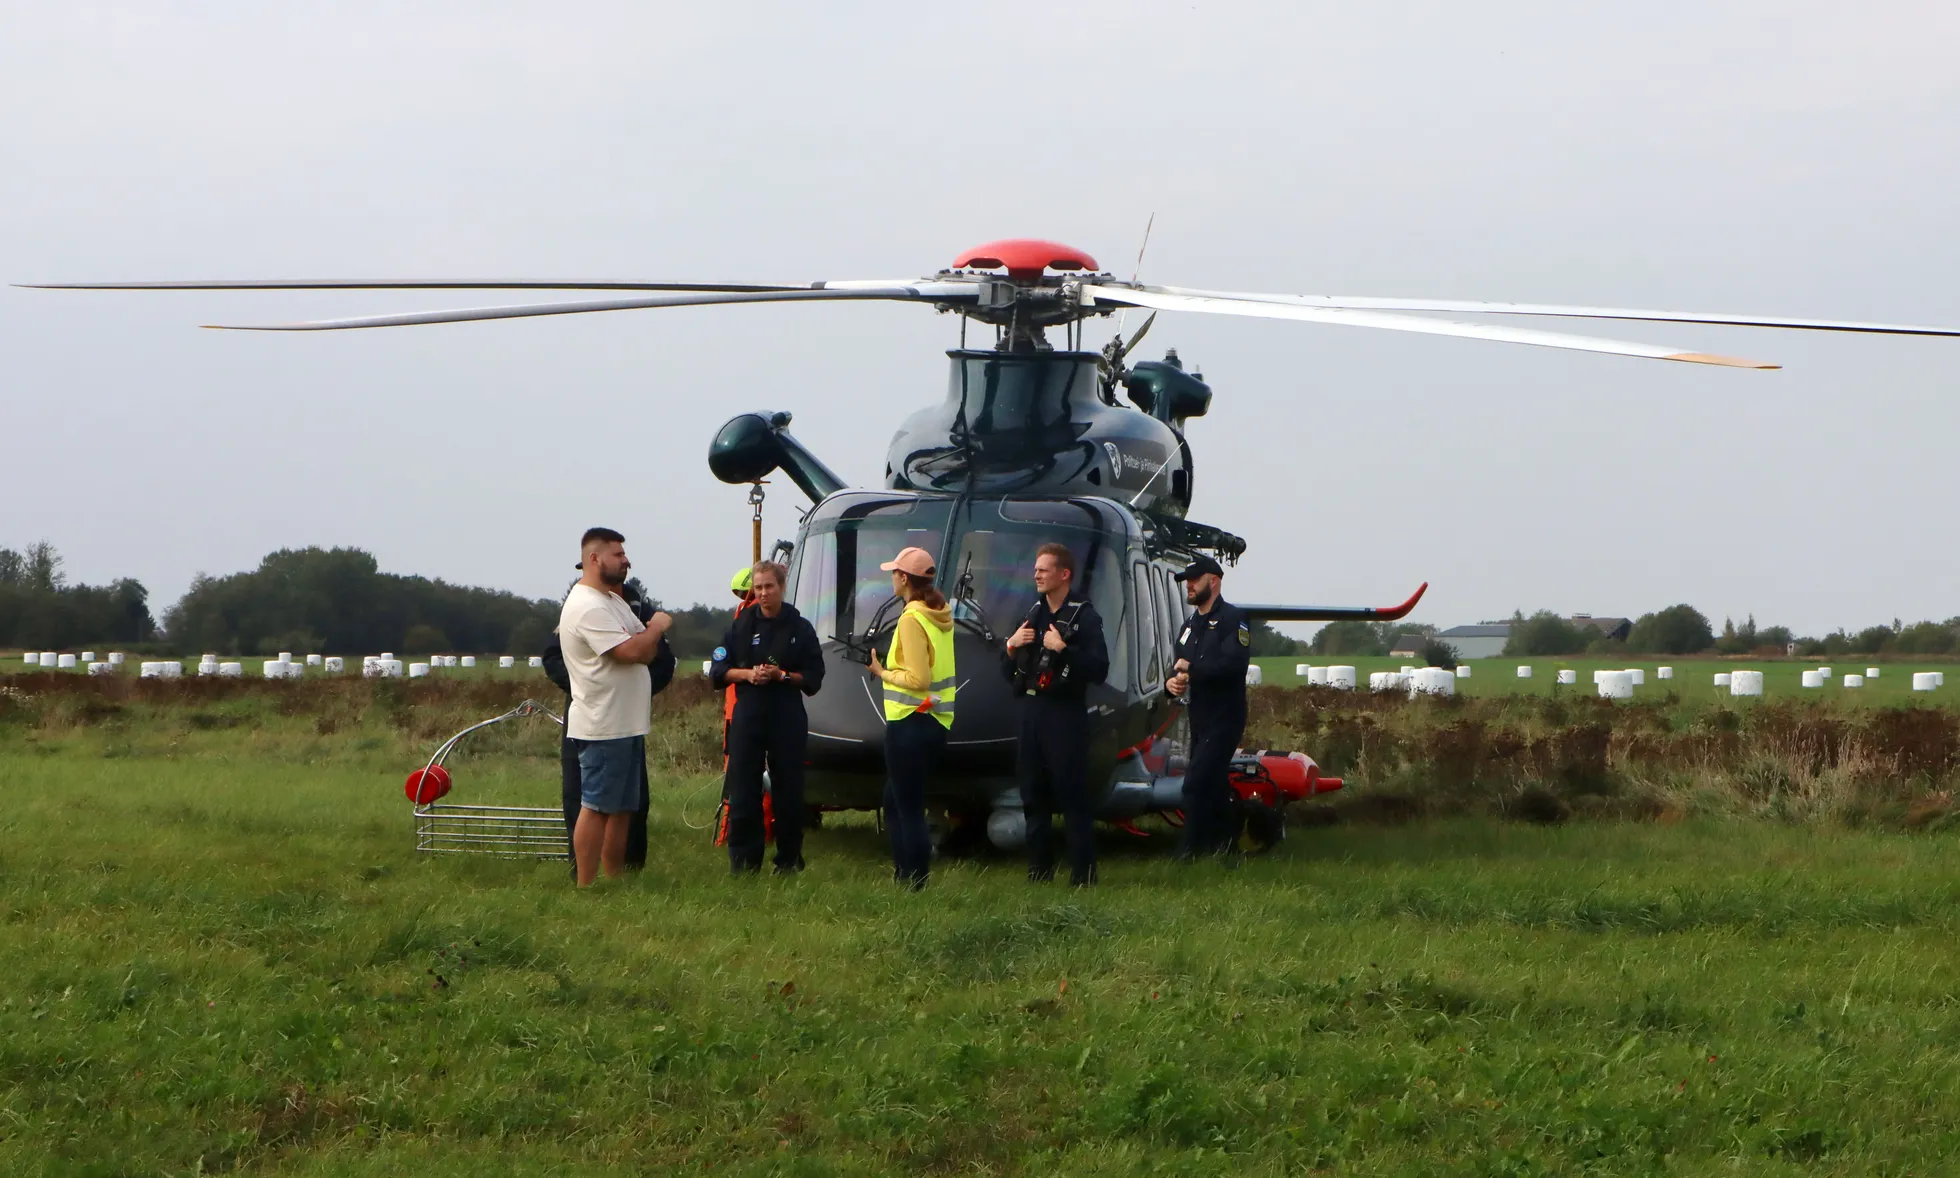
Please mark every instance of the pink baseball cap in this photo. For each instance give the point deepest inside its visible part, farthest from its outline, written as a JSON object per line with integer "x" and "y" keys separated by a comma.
{"x": 915, "y": 562}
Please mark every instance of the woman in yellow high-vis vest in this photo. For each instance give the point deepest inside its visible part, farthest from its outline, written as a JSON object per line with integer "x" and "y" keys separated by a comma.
{"x": 919, "y": 693}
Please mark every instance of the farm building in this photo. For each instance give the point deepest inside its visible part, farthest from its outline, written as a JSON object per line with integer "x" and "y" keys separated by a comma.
{"x": 1483, "y": 641}
{"x": 1407, "y": 645}
{"x": 1611, "y": 629}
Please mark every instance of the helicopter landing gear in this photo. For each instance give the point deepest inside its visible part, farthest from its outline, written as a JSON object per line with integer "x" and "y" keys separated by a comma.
{"x": 1261, "y": 827}
{"x": 1007, "y": 828}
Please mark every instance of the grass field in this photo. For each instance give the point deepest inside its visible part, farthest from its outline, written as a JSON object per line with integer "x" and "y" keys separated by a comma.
{"x": 222, "y": 954}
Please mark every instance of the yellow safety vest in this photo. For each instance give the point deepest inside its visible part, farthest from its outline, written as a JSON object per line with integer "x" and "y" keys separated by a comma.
{"x": 937, "y": 701}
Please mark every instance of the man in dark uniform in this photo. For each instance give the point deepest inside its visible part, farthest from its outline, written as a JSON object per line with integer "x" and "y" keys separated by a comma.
{"x": 661, "y": 669}
{"x": 1051, "y": 661}
{"x": 1213, "y": 650}
{"x": 770, "y": 654}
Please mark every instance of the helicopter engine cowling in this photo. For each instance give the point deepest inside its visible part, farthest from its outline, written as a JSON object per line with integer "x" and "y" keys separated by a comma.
{"x": 1035, "y": 423}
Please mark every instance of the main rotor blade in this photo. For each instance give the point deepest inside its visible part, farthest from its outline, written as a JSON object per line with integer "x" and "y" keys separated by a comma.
{"x": 935, "y": 292}
{"x": 1553, "y": 310}
{"x": 405, "y": 284}
{"x": 1164, "y": 300}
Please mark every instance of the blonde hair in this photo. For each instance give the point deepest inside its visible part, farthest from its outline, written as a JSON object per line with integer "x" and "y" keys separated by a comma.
{"x": 771, "y": 567}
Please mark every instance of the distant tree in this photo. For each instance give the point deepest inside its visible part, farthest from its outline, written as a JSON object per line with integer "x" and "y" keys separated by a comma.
{"x": 527, "y": 637}
{"x": 1437, "y": 653}
{"x": 1353, "y": 638}
{"x": 1267, "y": 641}
{"x": 1928, "y": 638}
{"x": 1546, "y": 633}
{"x": 1776, "y": 638}
{"x": 40, "y": 609}
{"x": 1678, "y": 629}
{"x": 340, "y": 600}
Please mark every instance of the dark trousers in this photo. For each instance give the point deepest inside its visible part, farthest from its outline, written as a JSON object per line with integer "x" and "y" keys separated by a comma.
{"x": 912, "y": 748}
{"x": 775, "y": 731}
{"x": 1208, "y": 797}
{"x": 1054, "y": 759}
{"x": 568, "y": 794}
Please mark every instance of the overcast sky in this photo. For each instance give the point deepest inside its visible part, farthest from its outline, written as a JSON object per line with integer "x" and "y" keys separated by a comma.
{"x": 1776, "y": 157}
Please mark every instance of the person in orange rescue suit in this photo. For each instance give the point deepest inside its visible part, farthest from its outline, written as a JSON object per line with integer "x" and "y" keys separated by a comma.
{"x": 771, "y": 658}
{"x": 741, "y": 586}
{"x": 919, "y": 694}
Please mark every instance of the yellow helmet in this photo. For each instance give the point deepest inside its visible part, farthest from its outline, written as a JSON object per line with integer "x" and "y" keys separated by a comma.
{"x": 743, "y": 580}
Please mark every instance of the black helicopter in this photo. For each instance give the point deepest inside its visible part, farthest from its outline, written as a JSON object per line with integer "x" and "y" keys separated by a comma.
{"x": 1031, "y": 443}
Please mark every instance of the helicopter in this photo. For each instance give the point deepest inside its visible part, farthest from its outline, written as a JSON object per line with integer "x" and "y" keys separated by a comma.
{"x": 1032, "y": 442}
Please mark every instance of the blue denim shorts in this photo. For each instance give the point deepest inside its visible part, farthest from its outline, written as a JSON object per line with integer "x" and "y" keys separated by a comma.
{"x": 609, "y": 773}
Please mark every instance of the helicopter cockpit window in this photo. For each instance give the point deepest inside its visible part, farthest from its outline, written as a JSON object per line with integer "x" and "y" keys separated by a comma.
{"x": 998, "y": 557}
{"x": 838, "y": 585}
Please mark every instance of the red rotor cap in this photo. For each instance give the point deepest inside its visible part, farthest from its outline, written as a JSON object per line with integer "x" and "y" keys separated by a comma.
{"x": 1024, "y": 257}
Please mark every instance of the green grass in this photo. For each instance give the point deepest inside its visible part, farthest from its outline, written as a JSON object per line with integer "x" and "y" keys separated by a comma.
{"x": 222, "y": 954}
{"x": 1694, "y": 678}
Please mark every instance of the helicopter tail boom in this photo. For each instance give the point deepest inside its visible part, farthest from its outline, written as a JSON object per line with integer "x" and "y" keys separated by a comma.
{"x": 1336, "y": 613}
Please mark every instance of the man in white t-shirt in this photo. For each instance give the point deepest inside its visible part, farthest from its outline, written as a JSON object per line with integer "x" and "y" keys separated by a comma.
{"x": 606, "y": 652}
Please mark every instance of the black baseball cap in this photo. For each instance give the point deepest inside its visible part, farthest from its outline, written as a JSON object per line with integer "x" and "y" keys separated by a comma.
{"x": 1199, "y": 567}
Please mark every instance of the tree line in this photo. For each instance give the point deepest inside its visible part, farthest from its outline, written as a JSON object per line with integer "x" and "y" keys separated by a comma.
{"x": 337, "y": 600}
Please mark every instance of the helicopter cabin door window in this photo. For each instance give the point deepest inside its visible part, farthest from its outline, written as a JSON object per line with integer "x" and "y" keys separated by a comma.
{"x": 1148, "y": 611}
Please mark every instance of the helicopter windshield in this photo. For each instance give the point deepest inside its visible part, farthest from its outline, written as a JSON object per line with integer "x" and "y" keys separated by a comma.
{"x": 840, "y": 589}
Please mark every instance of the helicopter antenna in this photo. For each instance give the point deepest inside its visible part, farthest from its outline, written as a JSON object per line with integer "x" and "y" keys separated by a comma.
{"x": 1137, "y": 273}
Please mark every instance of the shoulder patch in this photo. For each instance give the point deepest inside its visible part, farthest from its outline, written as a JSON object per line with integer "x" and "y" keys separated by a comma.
{"x": 1245, "y": 636}
{"x": 721, "y": 653}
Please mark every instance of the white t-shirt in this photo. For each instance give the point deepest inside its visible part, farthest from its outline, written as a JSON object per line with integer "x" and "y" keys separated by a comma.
{"x": 610, "y": 698}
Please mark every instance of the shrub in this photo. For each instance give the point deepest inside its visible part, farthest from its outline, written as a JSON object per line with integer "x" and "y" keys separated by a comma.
{"x": 1545, "y": 633}
{"x": 1678, "y": 629}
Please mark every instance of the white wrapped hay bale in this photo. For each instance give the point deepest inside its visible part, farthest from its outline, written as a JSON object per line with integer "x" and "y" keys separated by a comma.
{"x": 469, "y": 660}
{"x": 1301, "y": 670}
{"x": 1664, "y": 673}
{"x": 1599, "y": 675}
{"x": 65, "y": 662}
{"x": 115, "y": 658}
{"x": 506, "y": 662}
{"x": 1639, "y": 676}
{"x": 1524, "y": 672}
{"x": 285, "y": 656}
{"x": 1824, "y": 671}
{"x": 1430, "y": 681}
{"x": 1253, "y": 675}
{"x": 50, "y": 659}
{"x": 1616, "y": 685}
{"x": 1463, "y": 672}
{"x": 208, "y": 667}
{"x": 537, "y": 660}
{"x": 231, "y": 670}
{"x": 1341, "y": 678}
{"x": 100, "y": 669}
{"x": 390, "y": 668}
{"x": 417, "y": 670}
{"x": 1723, "y": 678}
{"x": 1568, "y": 676}
{"x": 1745, "y": 683}
{"x": 1405, "y": 668}
{"x": 370, "y": 666}
{"x": 149, "y": 671}
{"x": 173, "y": 669}
{"x": 706, "y": 664}
{"x": 274, "y": 669}
{"x": 1813, "y": 678}
{"x": 32, "y": 658}
{"x": 1871, "y": 672}
{"x": 333, "y": 664}
{"x": 1854, "y": 680}
{"x": 1925, "y": 680}
{"x": 1939, "y": 678}
{"x": 1378, "y": 680}
{"x": 1317, "y": 677}
{"x": 88, "y": 656}
{"x": 314, "y": 660}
